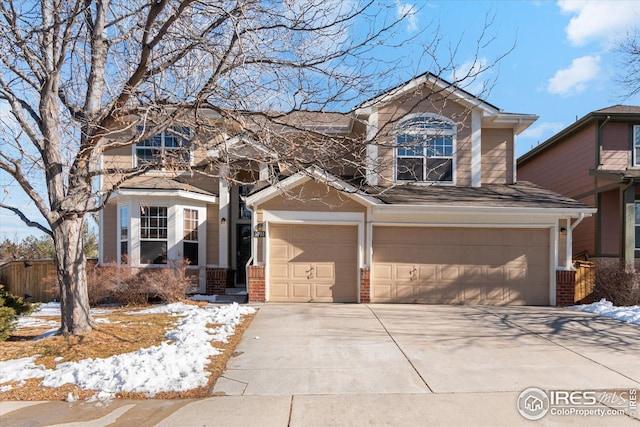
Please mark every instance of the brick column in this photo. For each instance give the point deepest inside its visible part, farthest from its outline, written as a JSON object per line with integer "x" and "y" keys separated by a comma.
{"x": 216, "y": 281}
{"x": 565, "y": 288}
{"x": 256, "y": 283}
{"x": 365, "y": 285}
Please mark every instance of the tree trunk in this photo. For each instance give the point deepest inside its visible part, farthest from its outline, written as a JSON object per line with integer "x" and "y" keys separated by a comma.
{"x": 72, "y": 276}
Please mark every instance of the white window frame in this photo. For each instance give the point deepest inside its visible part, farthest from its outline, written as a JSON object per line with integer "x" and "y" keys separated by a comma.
{"x": 187, "y": 232}
{"x": 162, "y": 147}
{"x": 402, "y": 129}
{"x": 152, "y": 239}
{"x": 120, "y": 239}
{"x": 636, "y": 145}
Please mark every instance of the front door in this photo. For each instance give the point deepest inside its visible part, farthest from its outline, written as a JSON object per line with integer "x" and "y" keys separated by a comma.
{"x": 243, "y": 252}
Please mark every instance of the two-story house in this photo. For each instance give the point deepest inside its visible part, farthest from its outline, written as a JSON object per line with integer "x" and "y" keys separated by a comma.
{"x": 596, "y": 161}
{"x": 436, "y": 216}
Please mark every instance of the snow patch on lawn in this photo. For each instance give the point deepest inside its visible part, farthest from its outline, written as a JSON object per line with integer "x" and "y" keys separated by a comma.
{"x": 175, "y": 365}
{"x": 606, "y": 308}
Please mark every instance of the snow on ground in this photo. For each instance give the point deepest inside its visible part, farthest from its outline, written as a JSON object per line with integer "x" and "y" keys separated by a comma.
{"x": 606, "y": 308}
{"x": 177, "y": 364}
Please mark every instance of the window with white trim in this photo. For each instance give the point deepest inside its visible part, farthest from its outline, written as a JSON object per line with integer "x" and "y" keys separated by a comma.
{"x": 190, "y": 242}
{"x": 425, "y": 149}
{"x": 171, "y": 147}
{"x": 153, "y": 234}
{"x": 124, "y": 234}
{"x": 636, "y": 145}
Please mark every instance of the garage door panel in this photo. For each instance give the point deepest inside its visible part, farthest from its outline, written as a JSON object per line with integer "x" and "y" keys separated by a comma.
{"x": 321, "y": 263}
{"x": 279, "y": 290}
{"x": 301, "y": 290}
{"x": 476, "y": 265}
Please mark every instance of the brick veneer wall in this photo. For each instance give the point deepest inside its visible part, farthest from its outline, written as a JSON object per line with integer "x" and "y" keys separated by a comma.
{"x": 256, "y": 284}
{"x": 217, "y": 280}
{"x": 365, "y": 286}
{"x": 565, "y": 287}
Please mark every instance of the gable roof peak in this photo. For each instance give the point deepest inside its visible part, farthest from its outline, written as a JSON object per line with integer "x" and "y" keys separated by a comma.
{"x": 437, "y": 82}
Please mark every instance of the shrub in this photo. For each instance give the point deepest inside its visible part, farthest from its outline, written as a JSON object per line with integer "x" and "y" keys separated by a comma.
{"x": 616, "y": 283}
{"x": 133, "y": 286}
{"x": 11, "y": 306}
{"x": 167, "y": 284}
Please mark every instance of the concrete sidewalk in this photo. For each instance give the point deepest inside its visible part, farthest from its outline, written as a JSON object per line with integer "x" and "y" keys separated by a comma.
{"x": 388, "y": 365}
{"x": 375, "y": 410}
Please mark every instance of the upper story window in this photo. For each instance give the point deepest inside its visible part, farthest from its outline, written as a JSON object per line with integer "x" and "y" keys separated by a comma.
{"x": 171, "y": 147}
{"x": 425, "y": 147}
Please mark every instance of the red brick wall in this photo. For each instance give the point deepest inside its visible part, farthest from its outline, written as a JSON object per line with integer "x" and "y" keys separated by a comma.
{"x": 365, "y": 286}
{"x": 217, "y": 280}
{"x": 565, "y": 288}
{"x": 256, "y": 284}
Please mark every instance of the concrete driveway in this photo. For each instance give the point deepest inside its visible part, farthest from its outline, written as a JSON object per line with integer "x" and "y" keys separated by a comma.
{"x": 305, "y": 365}
{"x": 350, "y": 349}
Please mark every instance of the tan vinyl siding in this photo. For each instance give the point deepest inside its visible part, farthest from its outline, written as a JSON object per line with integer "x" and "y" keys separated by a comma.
{"x": 213, "y": 233}
{"x": 110, "y": 233}
{"x": 313, "y": 196}
{"x": 497, "y": 156}
{"x": 616, "y": 150}
{"x": 389, "y": 114}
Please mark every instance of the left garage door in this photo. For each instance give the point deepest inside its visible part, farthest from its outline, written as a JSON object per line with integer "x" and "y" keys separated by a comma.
{"x": 313, "y": 263}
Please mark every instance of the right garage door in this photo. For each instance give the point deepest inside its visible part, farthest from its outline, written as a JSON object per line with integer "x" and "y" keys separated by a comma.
{"x": 460, "y": 265}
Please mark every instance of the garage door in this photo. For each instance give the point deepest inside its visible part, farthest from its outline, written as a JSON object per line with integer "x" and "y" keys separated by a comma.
{"x": 463, "y": 266}
{"x": 313, "y": 263}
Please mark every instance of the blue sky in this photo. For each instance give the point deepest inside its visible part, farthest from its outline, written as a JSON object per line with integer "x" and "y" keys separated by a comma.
{"x": 562, "y": 67}
{"x": 563, "y": 64}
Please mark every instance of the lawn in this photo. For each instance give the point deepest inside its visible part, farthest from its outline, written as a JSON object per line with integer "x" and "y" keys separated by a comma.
{"x": 169, "y": 352}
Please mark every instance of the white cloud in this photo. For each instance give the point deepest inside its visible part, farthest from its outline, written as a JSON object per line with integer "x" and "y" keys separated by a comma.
{"x": 574, "y": 79}
{"x": 471, "y": 76}
{"x": 542, "y": 131}
{"x": 599, "y": 20}
{"x": 410, "y": 14}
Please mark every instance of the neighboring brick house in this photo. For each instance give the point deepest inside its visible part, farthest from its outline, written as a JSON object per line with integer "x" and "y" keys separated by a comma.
{"x": 596, "y": 161}
{"x": 436, "y": 217}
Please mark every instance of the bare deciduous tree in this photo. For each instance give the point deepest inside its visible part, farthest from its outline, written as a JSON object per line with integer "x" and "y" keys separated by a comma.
{"x": 628, "y": 74}
{"x": 81, "y": 77}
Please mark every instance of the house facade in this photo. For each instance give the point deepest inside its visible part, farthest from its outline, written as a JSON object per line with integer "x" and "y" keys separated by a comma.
{"x": 596, "y": 161}
{"x": 436, "y": 215}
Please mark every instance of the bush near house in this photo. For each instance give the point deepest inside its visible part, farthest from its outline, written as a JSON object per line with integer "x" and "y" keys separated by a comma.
{"x": 11, "y": 306}
{"x": 134, "y": 286}
{"x": 617, "y": 284}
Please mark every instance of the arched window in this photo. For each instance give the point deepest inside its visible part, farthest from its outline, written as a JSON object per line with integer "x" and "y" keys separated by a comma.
{"x": 425, "y": 149}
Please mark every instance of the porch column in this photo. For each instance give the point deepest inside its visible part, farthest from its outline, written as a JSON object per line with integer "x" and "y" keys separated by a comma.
{"x": 628, "y": 243}
{"x": 224, "y": 220}
{"x": 476, "y": 148}
{"x": 372, "y": 149}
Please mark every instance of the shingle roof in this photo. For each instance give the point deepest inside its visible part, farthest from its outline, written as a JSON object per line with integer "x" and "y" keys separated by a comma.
{"x": 620, "y": 109}
{"x": 162, "y": 183}
{"x": 613, "y": 113}
{"x": 523, "y": 194}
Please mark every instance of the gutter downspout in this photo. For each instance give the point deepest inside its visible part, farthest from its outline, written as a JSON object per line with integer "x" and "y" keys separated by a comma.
{"x": 599, "y": 144}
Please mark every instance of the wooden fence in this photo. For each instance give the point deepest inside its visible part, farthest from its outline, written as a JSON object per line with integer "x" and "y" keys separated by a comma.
{"x": 585, "y": 282}
{"x": 26, "y": 278}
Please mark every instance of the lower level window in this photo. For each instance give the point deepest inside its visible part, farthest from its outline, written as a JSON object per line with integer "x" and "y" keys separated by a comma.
{"x": 153, "y": 234}
{"x": 190, "y": 244}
